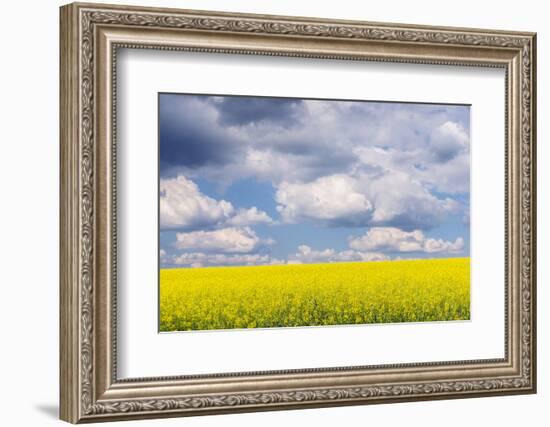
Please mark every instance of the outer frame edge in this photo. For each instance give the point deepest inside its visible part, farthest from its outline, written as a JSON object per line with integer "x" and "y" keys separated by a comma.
{"x": 69, "y": 329}
{"x": 68, "y": 217}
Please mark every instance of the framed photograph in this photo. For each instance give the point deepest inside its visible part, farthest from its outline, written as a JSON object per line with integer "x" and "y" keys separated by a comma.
{"x": 266, "y": 212}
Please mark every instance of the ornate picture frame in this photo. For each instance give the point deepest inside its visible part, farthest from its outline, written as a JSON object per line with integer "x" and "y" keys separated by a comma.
{"x": 90, "y": 37}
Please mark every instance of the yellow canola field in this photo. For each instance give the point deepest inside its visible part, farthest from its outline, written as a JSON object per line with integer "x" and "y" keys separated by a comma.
{"x": 314, "y": 294}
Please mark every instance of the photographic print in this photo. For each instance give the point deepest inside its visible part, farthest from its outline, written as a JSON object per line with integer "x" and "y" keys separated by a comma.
{"x": 290, "y": 212}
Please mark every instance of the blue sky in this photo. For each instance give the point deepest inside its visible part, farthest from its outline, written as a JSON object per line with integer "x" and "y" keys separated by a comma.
{"x": 254, "y": 181}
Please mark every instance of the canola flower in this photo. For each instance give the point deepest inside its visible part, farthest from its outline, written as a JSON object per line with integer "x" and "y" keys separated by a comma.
{"x": 314, "y": 294}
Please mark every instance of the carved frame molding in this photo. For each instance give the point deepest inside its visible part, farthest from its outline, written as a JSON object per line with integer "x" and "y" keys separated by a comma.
{"x": 90, "y": 36}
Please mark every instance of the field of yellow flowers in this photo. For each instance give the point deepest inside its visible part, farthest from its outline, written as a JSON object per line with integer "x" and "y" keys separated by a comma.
{"x": 314, "y": 294}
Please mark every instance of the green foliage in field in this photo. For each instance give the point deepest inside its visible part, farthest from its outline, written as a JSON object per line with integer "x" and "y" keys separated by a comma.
{"x": 314, "y": 294}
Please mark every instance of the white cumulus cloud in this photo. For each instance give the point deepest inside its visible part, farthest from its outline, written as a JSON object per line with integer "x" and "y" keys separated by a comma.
{"x": 249, "y": 217}
{"x": 404, "y": 202}
{"x": 183, "y": 206}
{"x": 331, "y": 199}
{"x": 447, "y": 140}
{"x": 391, "y": 239}
{"x": 307, "y": 255}
{"x": 385, "y": 199}
{"x": 226, "y": 240}
{"x": 440, "y": 245}
{"x": 201, "y": 259}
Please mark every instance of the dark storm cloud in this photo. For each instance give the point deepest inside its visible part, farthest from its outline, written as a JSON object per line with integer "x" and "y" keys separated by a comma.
{"x": 410, "y": 221}
{"x": 242, "y": 110}
{"x": 190, "y": 136}
{"x": 315, "y": 148}
{"x": 328, "y": 161}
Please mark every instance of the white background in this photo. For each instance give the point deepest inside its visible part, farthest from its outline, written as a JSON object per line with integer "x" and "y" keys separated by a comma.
{"x": 29, "y": 171}
{"x": 145, "y": 353}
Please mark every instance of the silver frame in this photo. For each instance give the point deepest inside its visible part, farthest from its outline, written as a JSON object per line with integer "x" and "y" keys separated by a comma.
{"x": 90, "y": 37}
